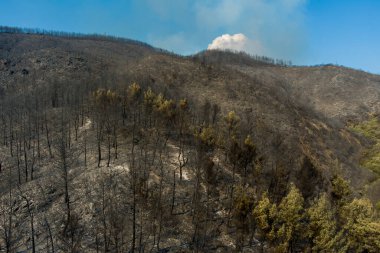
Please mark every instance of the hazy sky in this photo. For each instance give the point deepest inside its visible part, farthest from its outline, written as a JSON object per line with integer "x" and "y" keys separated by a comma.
{"x": 345, "y": 32}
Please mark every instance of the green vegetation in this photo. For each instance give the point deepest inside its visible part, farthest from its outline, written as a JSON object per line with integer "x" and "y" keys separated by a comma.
{"x": 349, "y": 225}
{"x": 371, "y": 130}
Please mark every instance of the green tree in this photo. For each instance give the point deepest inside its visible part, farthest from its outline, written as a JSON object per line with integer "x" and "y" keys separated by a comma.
{"x": 360, "y": 231}
{"x": 288, "y": 225}
{"x": 264, "y": 215}
{"x": 206, "y": 135}
{"x": 340, "y": 190}
{"x": 321, "y": 224}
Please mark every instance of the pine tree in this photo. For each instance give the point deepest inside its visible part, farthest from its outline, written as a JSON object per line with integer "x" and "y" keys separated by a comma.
{"x": 360, "y": 231}
{"x": 264, "y": 215}
{"x": 340, "y": 190}
{"x": 321, "y": 224}
{"x": 288, "y": 225}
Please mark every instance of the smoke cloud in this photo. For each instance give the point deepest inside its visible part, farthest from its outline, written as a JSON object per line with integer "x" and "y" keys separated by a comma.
{"x": 236, "y": 42}
{"x": 274, "y": 28}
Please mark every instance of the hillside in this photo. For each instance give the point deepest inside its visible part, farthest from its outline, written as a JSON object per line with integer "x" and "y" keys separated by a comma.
{"x": 65, "y": 96}
{"x": 336, "y": 92}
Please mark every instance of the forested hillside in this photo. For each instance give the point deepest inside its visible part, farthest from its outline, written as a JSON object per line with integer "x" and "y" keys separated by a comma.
{"x": 110, "y": 145}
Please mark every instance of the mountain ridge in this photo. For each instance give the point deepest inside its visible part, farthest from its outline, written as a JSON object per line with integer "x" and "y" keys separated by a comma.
{"x": 82, "y": 58}
{"x": 112, "y": 98}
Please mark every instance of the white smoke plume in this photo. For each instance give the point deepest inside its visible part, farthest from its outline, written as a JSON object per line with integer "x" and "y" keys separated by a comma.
{"x": 236, "y": 42}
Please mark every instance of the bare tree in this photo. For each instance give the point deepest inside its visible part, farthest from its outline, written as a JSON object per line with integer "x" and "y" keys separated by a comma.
{"x": 30, "y": 209}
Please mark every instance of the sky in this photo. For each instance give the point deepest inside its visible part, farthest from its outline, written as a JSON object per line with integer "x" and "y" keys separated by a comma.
{"x": 307, "y": 32}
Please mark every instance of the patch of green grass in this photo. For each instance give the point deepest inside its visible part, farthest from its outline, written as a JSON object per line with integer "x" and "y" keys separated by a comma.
{"x": 371, "y": 130}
